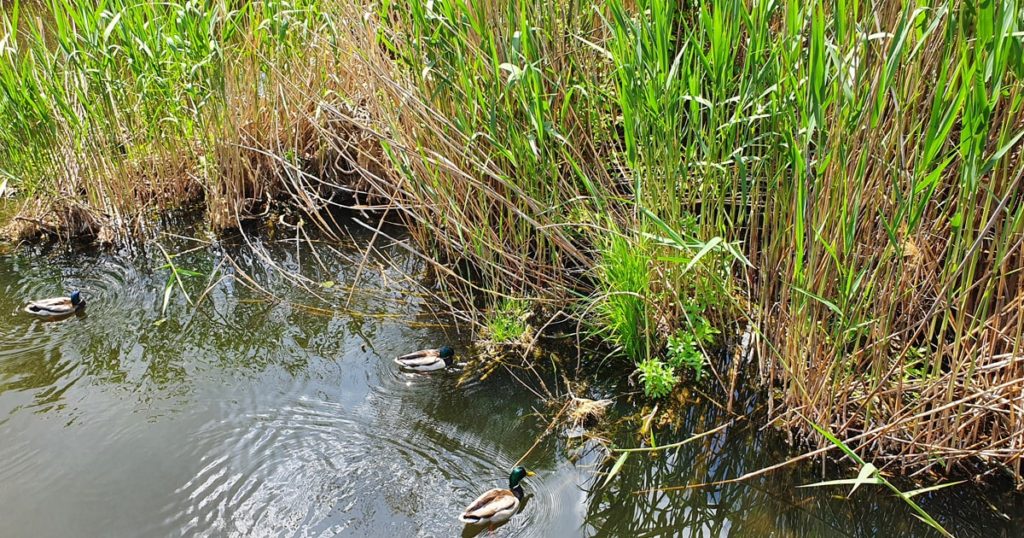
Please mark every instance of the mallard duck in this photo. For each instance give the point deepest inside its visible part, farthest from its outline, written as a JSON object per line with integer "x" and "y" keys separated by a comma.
{"x": 427, "y": 360}
{"x": 497, "y": 505}
{"x": 57, "y": 307}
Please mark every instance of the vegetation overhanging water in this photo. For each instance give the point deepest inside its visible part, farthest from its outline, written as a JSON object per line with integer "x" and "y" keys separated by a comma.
{"x": 840, "y": 181}
{"x": 260, "y": 410}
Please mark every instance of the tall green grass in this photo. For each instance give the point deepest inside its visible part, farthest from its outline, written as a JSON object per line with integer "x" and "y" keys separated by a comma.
{"x": 113, "y": 107}
{"x": 625, "y": 275}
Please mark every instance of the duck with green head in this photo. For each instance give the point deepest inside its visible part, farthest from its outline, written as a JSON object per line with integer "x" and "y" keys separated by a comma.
{"x": 57, "y": 307}
{"x": 497, "y": 505}
{"x": 427, "y": 360}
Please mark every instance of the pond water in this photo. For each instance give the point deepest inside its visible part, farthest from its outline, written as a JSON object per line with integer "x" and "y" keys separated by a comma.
{"x": 265, "y": 411}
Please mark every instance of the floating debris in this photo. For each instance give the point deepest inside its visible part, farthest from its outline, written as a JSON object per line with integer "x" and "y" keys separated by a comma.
{"x": 586, "y": 413}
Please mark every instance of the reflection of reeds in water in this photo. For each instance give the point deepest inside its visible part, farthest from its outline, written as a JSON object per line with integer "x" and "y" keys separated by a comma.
{"x": 642, "y": 499}
{"x": 135, "y": 331}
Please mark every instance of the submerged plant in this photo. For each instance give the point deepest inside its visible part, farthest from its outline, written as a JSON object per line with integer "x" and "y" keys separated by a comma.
{"x": 175, "y": 278}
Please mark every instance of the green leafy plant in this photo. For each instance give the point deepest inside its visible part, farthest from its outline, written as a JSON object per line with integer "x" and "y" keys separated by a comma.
{"x": 507, "y": 322}
{"x": 658, "y": 378}
{"x": 683, "y": 352}
{"x": 684, "y": 347}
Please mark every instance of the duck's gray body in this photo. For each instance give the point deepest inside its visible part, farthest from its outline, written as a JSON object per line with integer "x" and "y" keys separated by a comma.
{"x": 56, "y": 307}
{"x": 427, "y": 360}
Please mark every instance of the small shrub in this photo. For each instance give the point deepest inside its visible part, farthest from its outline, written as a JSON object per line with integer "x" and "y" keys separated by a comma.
{"x": 658, "y": 378}
{"x": 683, "y": 351}
{"x": 508, "y": 321}
{"x": 684, "y": 347}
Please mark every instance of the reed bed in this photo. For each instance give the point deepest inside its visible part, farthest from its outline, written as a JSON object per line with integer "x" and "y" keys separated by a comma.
{"x": 844, "y": 176}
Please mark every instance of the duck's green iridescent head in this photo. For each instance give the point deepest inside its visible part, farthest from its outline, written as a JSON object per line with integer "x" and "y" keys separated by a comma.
{"x": 446, "y": 352}
{"x": 76, "y": 297}
{"x": 517, "y": 475}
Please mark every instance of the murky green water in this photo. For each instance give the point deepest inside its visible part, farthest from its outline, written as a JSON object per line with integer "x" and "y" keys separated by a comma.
{"x": 247, "y": 416}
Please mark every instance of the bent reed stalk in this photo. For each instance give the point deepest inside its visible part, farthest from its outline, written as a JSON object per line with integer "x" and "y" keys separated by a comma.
{"x": 844, "y": 174}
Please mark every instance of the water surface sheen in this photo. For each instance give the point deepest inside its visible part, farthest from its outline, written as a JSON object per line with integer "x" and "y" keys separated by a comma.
{"x": 264, "y": 411}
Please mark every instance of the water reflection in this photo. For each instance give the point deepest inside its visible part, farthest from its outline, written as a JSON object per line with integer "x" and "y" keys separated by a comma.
{"x": 637, "y": 502}
{"x": 263, "y": 410}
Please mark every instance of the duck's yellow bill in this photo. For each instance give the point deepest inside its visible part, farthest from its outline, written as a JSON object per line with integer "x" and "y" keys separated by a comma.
{"x": 531, "y": 473}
